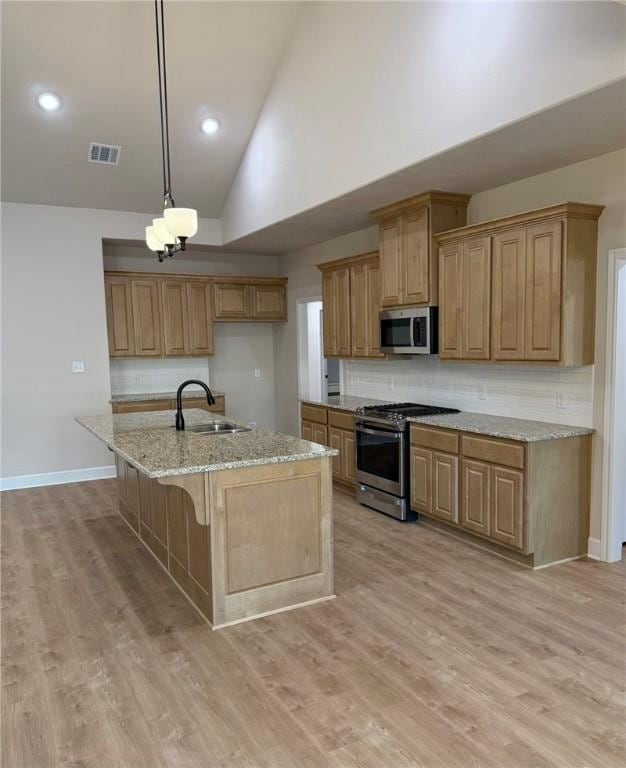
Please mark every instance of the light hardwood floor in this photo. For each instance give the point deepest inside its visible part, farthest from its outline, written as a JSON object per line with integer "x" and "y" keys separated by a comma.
{"x": 433, "y": 654}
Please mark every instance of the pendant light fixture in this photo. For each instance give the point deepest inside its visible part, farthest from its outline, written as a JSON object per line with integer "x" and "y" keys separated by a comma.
{"x": 168, "y": 234}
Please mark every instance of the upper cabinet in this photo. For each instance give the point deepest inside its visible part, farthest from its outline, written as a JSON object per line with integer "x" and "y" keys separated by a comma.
{"x": 172, "y": 315}
{"x": 351, "y": 301}
{"x": 521, "y": 288}
{"x": 408, "y": 254}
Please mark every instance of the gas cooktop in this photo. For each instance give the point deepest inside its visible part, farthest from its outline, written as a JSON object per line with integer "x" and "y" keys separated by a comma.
{"x": 397, "y": 413}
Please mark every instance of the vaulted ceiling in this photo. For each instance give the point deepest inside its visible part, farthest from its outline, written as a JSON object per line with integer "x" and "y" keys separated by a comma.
{"x": 100, "y": 57}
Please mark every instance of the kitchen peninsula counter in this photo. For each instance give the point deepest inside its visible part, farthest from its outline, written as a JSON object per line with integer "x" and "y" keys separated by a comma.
{"x": 241, "y": 522}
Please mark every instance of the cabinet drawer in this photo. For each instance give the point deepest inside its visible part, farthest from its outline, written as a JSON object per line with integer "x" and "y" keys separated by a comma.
{"x": 495, "y": 451}
{"x": 341, "y": 419}
{"x": 140, "y": 406}
{"x": 438, "y": 439}
{"x": 313, "y": 413}
{"x": 200, "y": 402}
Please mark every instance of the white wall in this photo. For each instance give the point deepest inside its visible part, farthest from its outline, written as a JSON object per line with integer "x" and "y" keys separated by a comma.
{"x": 572, "y": 395}
{"x": 53, "y": 312}
{"x": 619, "y": 457}
{"x": 350, "y": 99}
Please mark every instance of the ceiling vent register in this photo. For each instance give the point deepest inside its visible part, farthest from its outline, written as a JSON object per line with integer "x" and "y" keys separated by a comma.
{"x": 104, "y": 154}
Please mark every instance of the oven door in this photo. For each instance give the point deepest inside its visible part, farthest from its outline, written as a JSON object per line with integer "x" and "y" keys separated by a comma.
{"x": 380, "y": 457}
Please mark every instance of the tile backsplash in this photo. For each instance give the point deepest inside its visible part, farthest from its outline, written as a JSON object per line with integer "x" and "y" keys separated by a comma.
{"x": 135, "y": 375}
{"x": 560, "y": 395}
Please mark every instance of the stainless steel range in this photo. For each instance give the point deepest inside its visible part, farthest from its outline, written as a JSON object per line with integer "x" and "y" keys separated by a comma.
{"x": 382, "y": 455}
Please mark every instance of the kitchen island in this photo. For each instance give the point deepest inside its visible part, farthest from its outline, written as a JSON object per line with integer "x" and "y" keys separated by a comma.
{"x": 241, "y": 522}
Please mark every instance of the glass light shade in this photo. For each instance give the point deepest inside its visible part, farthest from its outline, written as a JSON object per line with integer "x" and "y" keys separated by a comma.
{"x": 163, "y": 233}
{"x": 181, "y": 222}
{"x": 152, "y": 241}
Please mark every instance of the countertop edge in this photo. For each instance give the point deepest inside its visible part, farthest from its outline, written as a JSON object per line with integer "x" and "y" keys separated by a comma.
{"x": 569, "y": 431}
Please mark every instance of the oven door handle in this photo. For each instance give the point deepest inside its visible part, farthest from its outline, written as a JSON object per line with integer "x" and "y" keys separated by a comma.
{"x": 383, "y": 432}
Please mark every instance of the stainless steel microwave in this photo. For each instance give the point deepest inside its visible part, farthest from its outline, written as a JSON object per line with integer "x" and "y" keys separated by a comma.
{"x": 410, "y": 331}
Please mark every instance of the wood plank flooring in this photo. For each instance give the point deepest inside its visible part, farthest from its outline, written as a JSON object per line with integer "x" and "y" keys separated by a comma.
{"x": 434, "y": 654}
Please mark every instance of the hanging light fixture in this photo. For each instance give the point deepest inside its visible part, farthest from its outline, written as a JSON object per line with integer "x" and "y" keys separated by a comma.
{"x": 168, "y": 234}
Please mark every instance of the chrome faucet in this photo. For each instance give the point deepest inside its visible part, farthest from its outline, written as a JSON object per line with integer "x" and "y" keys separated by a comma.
{"x": 180, "y": 421}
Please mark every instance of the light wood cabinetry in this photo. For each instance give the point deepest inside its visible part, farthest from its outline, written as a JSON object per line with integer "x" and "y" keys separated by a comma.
{"x": 530, "y": 500}
{"x": 172, "y": 315}
{"x": 408, "y": 254}
{"x": 521, "y": 288}
{"x": 167, "y": 404}
{"x": 350, "y": 296}
{"x": 334, "y": 428}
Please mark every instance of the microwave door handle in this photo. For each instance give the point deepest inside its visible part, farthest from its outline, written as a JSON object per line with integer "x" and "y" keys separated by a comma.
{"x": 413, "y": 332}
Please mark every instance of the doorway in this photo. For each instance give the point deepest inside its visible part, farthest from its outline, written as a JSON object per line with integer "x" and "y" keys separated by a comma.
{"x": 614, "y": 458}
{"x": 317, "y": 377}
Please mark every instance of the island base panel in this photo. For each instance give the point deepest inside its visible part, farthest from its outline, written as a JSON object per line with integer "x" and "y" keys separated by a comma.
{"x": 267, "y": 544}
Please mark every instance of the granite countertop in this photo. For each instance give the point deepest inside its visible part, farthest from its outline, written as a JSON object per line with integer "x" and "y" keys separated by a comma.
{"x": 346, "y": 402}
{"x": 140, "y": 396}
{"x": 524, "y": 430}
{"x": 151, "y": 444}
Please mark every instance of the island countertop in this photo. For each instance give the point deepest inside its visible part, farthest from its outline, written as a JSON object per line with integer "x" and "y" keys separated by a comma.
{"x": 150, "y": 443}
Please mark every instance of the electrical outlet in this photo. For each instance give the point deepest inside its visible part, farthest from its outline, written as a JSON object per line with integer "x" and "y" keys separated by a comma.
{"x": 257, "y": 373}
{"x": 78, "y": 366}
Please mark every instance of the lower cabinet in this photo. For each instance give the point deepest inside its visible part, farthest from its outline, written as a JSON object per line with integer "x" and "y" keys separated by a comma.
{"x": 529, "y": 498}
{"x": 336, "y": 429}
{"x": 145, "y": 406}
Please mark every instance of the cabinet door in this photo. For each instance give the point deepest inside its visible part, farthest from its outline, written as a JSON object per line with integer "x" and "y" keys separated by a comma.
{"x": 450, "y": 298}
{"x": 334, "y": 441}
{"x": 330, "y": 314}
{"x": 232, "y": 301}
{"x": 269, "y": 302}
{"x": 445, "y": 487}
{"x": 508, "y": 295}
{"x": 372, "y": 305}
{"x": 475, "y": 496}
{"x": 506, "y": 492}
{"x": 306, "y": 431}
{"x": 348, "y": 453}
{"x": 390, "y": 263}
{"x": 319, "y": 434}
{"x": 119, "y": 316}
{"x": 200, "y": 314}
{"x": 415, "y": 248}
{"x": 175, "y": 317}
{"x": 342, "y": 311}
{"x": 543, "y": 292}
{"x": 146, "y": 317}
{"x": 359, "y": 325}
{"x": 421, "y": 479}
{"x": 476, "y": 302}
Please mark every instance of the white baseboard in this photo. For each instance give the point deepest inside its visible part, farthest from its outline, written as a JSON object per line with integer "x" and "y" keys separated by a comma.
{"x": 594, "y": 549}
{"x": 56, "y": 478}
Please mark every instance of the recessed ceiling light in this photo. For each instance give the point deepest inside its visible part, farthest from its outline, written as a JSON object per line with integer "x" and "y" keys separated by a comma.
{"x": 210, "y": 125}
{"x": 49, "y": 101}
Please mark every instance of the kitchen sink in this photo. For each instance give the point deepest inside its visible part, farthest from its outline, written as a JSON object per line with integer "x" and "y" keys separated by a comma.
{"x": 217, "y": 428}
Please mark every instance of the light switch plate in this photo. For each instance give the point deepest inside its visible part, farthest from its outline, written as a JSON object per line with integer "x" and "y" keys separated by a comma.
{"x": 257, "y": 373}
{"x": 78, "y": 366}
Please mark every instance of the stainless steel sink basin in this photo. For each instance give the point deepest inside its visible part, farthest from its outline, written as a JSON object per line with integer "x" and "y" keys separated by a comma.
{"x": 217, "y": 428}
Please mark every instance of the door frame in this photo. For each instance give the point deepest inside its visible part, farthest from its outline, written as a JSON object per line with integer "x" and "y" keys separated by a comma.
{"x": 610, "y": 546}
{"x": 301, "y": 345}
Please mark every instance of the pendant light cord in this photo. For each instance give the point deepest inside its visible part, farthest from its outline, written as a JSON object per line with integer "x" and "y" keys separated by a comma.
{"x": 162, "y": 70}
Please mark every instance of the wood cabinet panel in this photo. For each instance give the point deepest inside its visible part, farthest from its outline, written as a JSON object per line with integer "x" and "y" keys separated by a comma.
{"x": 493, "y": 450}
{"x": 421, "y": 479}
{"x": 508, "y": 292}
{"x": 146, "y": 317}
{"x": 372, "y": 305}
{"x": 341, "y": 419}
{"x": 143, "y": 406}
{"x": 175, "y": 317}
{"x": 159, "y": 512}
{"x": 177, "y": 525}
{"x": 313, "y": 413}
{"x": 320, "y": 434}
{"x": 232, "y": 301}
{"x": 390, "y": 263}
{"x": 306, "y": 431}
{"x": 329, "y": 317}
{"x": 342, "y": 312}
{"x": 444, "y": 487}
{"x": 475, "y": 496}
{"x": 131, "y": 508}
{"x": 145, "y": 502}
{"x": 415, "y": 256}
{"x": 121, "y": 333}
{"x": 476, "y": 301}
{"x": 543, "y": 291}
{"x": 506, "y": 491}
{"x": 219, "y": 406}
{"x": 359, "y": 310}
{"x": 450, "y": 301}
{"x": 200, "y": 314}
{"x": 438, "y": 439}
{"x": 334, "y": 441}
{"x": 269, "y": 302}
{"x": 348, "y": 452}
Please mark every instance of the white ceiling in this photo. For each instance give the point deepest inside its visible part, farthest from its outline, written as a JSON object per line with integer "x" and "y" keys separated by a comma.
{"x": 100, "y": 57}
